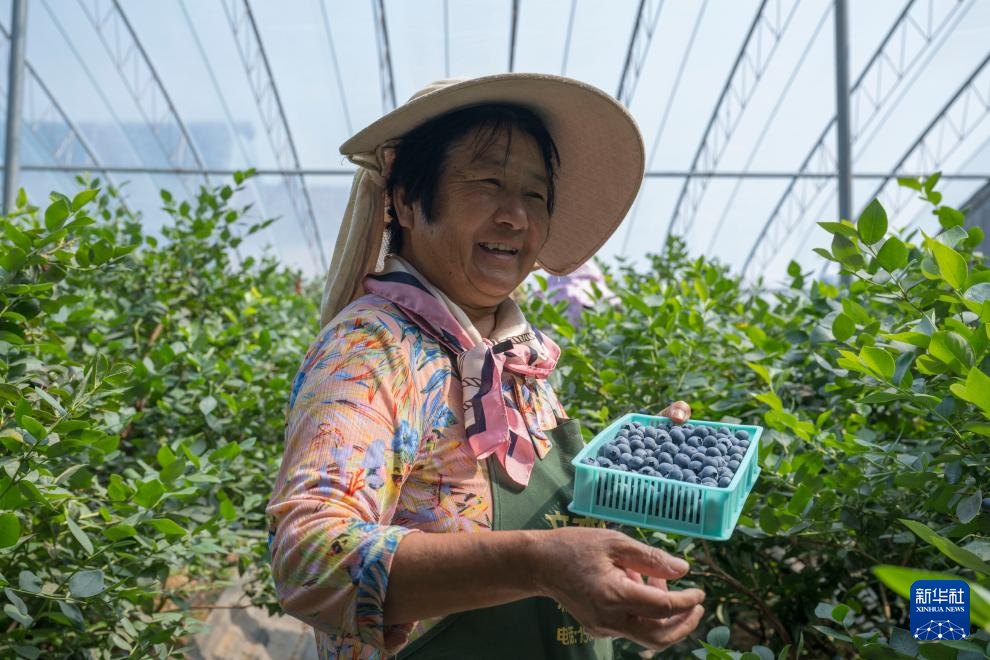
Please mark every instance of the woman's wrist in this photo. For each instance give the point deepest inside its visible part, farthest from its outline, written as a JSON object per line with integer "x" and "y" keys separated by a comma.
{"x": 535, "y": 547}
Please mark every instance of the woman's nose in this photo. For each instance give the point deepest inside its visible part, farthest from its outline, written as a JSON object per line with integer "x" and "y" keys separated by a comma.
{"x": 512, "y": 210}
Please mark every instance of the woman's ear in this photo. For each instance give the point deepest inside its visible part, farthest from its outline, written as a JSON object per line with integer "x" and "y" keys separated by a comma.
{"x": 404, "y": 212}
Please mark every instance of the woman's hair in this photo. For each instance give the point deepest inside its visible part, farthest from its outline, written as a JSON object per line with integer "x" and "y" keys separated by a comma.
{"x": 421, "y": 154}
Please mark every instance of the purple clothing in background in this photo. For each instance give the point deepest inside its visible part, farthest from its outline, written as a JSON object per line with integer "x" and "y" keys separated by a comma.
{"x": 576, "y": 289}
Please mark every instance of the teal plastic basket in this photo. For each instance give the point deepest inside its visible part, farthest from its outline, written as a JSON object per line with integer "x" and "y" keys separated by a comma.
{"x": 663, "y": 504}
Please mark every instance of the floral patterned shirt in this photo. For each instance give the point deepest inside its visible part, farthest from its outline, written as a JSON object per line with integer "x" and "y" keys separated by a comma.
{"x": 375, "y": 448}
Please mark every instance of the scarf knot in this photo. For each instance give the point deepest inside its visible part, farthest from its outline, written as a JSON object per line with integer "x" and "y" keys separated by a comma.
{"x": 493, "y": 422}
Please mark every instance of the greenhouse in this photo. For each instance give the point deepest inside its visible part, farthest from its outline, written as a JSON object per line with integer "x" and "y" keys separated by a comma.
{"x": 700, "y": 369}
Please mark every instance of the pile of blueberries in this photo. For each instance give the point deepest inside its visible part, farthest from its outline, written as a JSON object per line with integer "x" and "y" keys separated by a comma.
{"x": 693, "y": 454}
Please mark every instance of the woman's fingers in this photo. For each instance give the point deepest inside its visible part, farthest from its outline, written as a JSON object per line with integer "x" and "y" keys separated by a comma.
{"x": 652, "y": 603}
{"x": 658, "y": 635}
{"x": 648, "y": 560}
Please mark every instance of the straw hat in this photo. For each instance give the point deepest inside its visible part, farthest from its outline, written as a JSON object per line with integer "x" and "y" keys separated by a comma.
{"x": 601, "y": 151}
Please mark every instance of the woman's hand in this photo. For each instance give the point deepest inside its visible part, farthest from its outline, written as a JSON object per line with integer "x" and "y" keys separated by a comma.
{"x": 596, "y": 575}
{"x": 679, "y": 412}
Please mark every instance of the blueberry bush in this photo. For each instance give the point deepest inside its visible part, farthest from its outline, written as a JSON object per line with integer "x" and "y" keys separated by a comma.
{"x": 875, "y": 398}
{"x": 141, "y": 395}
{"x": 144, "y": 381}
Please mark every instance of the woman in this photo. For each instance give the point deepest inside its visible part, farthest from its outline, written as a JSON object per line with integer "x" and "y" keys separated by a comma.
{"x": 421, "y": 505}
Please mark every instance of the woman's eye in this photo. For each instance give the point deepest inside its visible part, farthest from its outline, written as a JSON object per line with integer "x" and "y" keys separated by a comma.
{"x": 536, "y": 195}
{"x": 492, "y": 181}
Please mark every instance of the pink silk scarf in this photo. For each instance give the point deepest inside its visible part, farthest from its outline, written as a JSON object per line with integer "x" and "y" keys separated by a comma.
{"x": 492, "y": 425}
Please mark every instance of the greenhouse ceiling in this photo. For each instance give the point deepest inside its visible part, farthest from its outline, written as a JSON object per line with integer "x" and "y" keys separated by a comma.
{"x": 736, "y": 101}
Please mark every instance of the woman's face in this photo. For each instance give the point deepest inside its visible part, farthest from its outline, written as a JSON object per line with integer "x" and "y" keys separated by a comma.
{"x": 494, "y": 200}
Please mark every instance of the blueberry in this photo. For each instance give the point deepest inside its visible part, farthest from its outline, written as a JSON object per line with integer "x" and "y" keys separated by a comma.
{"x": 709, "y": 482}
{"x": 642, "y": 453}
{"x": 623, "y": 433}
{"x": 636, "y": 443}
{"x": 622, "y": 468}
{"x": 677, "y": 435}
{"x": 698, "y": 456}
{"x": 603, "y": 462}
{"x": 713, "y": 451}
{"x": 688, "y": 472}
{"x": 720, "y": 461}
{"x": 623, "y": 448}
{"x": 665, "y": 469}
{"x": 611, "y": 452}
{"x": 637, "y": 425}
{"x": 650, "y": 443}
{"x": 742, "y": 435}
{"x": 636, "y": 462}
{"x": 699, "y": 432}
{"x": 688, "y": 427}
{"x": 664, "y": 457}
{"x": 675, "y": 474}
{"x": 695, "y": 466}
{"x": 692, "y": 479}
{"x": 588, "y": 460}
{"x": 724, "y": 482}
{"x": 724, "y": 430}
{"x": 692, "y": 442}
{"x": 625, "y": 458}
{"x": 669, "y": 447}
{"x": 710, "y": 442}
{"x": 647, "y": 471}
{"x": 707, "y": 472}
{"x": 652, "y": 462}
{"x": 725, "y": 472}
{"x": 744, "y": 444}
{"x": 737, "y": 451}
{"x": 682, "y": 461}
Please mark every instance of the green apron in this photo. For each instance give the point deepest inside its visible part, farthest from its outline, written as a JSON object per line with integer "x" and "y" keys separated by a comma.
{"x": 534, "y": 627}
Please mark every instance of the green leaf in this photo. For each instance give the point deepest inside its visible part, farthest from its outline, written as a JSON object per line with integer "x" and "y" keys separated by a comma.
{"x": 872, "y": 224}
{"x": 86, "y": 583}
{"x": 843, "y": 327}
{"x": 951, "y": 265}
{"x": 207, "y": 405}
{"x": 948, "y": 346}
{"x": 949, "y": 217}
{"x": 931, "y": 181}
{"x": 227, "y": 510}
{"x": 72, "y": 613}
{"x": 19, "y": 238}
{"x": 22, "y": 199}
{"x": 948, "y": 548}
{"x": 149, "y": 493}
{"x": 846, "y": 252}
{"x": 718, "y": 636}
{"x": 227, "y": 452}
{"x": 167, "y": 527}
{"x": 969, "y": 507}
{"x": 878, "y": 360}
{"x": 30, "y": 582}
{"x": 56, "y": 214}
{"x": 18, "y": 616}
{"x": 908, "y": 182}
{"x": 34, "y": 427}
{"x": 79, "y": 534}
{"x": 83, "y": 198}
{"x": 893, "y": 255}
{"x": 839, "y": 228}
{"x": 118, "y": 532}
{"x": 10, "y": 529}
{"x": 823, "y": 253}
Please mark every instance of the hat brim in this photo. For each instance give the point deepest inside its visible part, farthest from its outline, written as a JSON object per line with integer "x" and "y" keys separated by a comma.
{"x": 602, "y": 157}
